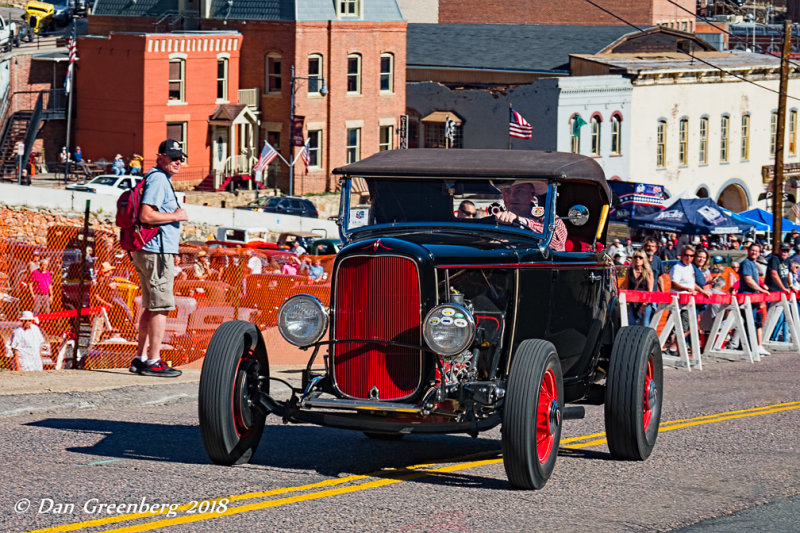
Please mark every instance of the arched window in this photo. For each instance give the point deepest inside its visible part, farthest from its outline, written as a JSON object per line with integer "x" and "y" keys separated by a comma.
{"x": 724, "y": 137}
{"x": 177, "y": 80}
{"x": 745, "y": 153}
{"x": 596, "y": 123}
{"x": 222, "y": 77}
{"x": 314, "y": 73}
{"x": 354, "y": 74}
{"x": 702, "y": 151}
{"x": 616, "y": 134}
{"x": 683, "y": 142}
{"x": 387, "y": 73}
{"x": 273, "y": 68}
{"x": 661, "y": 144}
{"x": 575, "y": 125}
{"x": 773, "y": 133}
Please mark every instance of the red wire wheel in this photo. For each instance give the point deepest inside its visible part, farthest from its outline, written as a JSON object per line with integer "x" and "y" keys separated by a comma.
{"x": 545, "y": 432}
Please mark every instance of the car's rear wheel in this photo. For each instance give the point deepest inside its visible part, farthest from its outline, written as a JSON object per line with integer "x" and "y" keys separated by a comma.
{"x": 532, "y": 415}
{"x": 634, "y": 393}
{"x": 235, "y": 371}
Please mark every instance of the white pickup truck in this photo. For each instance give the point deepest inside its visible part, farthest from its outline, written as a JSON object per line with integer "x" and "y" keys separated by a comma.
{"x": 8, "y": 34}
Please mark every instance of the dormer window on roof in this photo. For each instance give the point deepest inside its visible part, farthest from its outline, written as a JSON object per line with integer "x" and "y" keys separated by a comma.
{"x": 349, "y": 8}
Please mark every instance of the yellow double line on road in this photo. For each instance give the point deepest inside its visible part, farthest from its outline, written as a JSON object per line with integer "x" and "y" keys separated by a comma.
{"x": 355, "y": 483}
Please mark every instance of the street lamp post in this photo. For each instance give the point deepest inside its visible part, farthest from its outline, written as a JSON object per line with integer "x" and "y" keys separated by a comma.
{"x": 324, "y": 92}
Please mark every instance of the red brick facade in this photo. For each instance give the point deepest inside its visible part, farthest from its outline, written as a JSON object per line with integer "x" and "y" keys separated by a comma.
{"x": 122, "y": 93}
{"x": 334, "y": 113}
{"x": 567, "y": 12}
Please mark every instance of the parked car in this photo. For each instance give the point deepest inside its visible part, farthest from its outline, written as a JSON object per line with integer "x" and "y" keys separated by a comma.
{"x": 106, "y": 184}
{"x": 440, "y": 324}
{"x": 8, "y": 34}
{"x": 285, "y": 205}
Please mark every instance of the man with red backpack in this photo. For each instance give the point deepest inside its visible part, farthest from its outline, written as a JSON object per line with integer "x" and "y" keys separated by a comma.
{"x": 155, "y": 260}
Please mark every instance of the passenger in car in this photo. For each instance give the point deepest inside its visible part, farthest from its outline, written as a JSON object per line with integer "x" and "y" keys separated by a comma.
{"x": 524, "y": 204}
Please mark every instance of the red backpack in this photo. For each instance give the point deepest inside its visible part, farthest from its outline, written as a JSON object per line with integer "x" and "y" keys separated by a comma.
{"x": 133, "y": 235}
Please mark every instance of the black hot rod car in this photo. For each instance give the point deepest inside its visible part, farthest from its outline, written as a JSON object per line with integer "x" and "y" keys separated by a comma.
{"x": 443, "y": 322}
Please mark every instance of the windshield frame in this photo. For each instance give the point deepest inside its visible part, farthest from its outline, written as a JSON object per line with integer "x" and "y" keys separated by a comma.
{"x": 357, "y": 233}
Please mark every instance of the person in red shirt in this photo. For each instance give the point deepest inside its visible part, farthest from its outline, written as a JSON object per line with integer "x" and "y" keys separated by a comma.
{"x": 41, "y": 287}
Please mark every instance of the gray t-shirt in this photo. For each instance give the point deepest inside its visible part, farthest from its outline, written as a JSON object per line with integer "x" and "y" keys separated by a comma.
{"x": 159, "y": 194}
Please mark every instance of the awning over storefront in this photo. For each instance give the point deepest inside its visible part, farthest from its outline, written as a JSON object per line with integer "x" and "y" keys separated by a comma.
{"x": 441, "y": 116}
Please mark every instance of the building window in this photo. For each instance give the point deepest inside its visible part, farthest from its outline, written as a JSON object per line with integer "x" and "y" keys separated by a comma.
{"x": 385, "y": 138}
{"x": 353, "y": 144}
{"x": 222, "y": 78}
{"x": 314, "y": 73}
{"x": 354, "y": 73}
{"x": 745, "y": 137}
{"x": 683, "y": 142}
{"x": 793, "y": 132}
{"x": 314, "y": 148}
{"x": 273, "y": 82}
{"x": 724, "y": 138}
{"x": 596, "y": 135}
{"x": 349, "y": 7}
{"x": 177, "y": 89}
{"x": 773, "y": 133}
{"x": 387, "y": 72}
{"x": 177, "y": 132}
{"x": 703, "y": 149}
{"x": 434, "y": 135}
{"x": 661, "y": 144}
{"x": 616, "y": 135}
{"x": 575, "y": 125}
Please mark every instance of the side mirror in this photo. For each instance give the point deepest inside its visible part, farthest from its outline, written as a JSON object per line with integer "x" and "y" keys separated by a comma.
{"x": 578, "y": 215}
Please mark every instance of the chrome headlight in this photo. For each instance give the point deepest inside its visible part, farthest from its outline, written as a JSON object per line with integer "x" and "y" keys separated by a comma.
{"x": 449, "y": 329}
{"x": 302, "y": 320}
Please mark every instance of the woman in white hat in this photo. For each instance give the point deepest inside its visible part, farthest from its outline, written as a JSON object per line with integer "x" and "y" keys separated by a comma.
{"x": 119, "y": 165}
{"x": 26, "y": 344}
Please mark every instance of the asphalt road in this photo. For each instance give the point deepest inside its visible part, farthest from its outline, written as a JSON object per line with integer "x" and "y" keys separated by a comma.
{"x": 726, "y": 460}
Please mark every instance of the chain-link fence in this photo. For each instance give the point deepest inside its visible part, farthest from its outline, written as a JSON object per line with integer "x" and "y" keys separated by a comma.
{"x": 47, "y": 268}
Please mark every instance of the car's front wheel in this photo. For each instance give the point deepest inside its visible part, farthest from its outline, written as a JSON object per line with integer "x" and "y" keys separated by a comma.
{"x": 634, "y": 393}
{"x": 532, "y": 415}
{"x": 235, "y": 371}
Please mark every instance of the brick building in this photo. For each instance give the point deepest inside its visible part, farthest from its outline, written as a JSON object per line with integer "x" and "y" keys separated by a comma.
{"x": 135, "y": 89}
{"x": 565, "y": 12}
{"x": 354, "y": 49}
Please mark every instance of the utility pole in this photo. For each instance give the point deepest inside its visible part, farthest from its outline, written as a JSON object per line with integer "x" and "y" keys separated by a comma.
{"x": 777, "y": 183}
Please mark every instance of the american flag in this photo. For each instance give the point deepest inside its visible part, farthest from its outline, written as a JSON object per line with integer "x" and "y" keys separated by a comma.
{"x": 305, "y": 154}
{"x": 72, "y": 49}
{"x": 268, "y": 154}
{"x": 519, "y": 127}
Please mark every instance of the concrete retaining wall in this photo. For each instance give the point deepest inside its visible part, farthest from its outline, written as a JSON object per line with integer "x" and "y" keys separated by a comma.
{"x": 75, "y": 201}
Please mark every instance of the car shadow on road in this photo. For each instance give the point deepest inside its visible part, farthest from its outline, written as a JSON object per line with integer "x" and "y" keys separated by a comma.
{"x": 327, "y": 451}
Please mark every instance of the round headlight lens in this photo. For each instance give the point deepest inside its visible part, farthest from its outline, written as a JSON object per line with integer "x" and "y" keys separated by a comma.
{"x": 449, "y": 329}
{"x": 302, "y": 320}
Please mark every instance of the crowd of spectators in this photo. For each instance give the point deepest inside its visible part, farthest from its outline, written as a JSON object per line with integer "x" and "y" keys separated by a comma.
{"x": 696, "y": 269}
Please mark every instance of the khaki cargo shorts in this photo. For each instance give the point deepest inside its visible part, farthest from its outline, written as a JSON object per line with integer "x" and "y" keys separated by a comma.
{"x": 156, "y": 276}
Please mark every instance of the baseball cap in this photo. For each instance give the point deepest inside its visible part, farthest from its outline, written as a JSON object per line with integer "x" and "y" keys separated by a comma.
{"x": 171, "y": 148}
{"x": 785, "y": 247}
{"x": 718, "y": 259}
{"x": 26, "y": 315}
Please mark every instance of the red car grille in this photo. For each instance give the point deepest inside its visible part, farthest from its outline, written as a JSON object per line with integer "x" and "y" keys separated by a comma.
{"x": 377, "y": 298}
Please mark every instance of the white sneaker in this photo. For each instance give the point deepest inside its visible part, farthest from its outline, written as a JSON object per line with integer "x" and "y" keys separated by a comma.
{"x": 762, "y": 351}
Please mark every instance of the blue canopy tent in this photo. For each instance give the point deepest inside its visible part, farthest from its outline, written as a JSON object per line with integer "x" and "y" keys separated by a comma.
{"x": 760, "y": 226}
{"x": 699, "y": 216}
{"x": 765, "y": 217}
